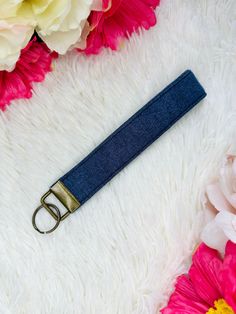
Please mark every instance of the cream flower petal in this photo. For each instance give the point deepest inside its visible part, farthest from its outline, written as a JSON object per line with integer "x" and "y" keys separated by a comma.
{"x": 8, "y": 8}
{"x": 13, "y": 38}
{"x": 77, "y": 16}
{"x": 53, "y": 16}
{"x": 39, "y": 6}
{"x": 61, "y": 42}
{"x": 227, "y": 222}
{"x": 24, "y": 15}
{"x": 213, "y": 236}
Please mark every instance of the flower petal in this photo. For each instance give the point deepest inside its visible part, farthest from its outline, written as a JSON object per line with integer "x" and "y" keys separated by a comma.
{"x": 217, "y": 198}
{"x": 119, "y": 21}
{"x": 9, "y": 8}
{"x": 213, "y": 236}
{"x": 184, "y": 299}
{"x": 61, "y": 42}
{"x": 13, "y": 38}
{"x": 227, "y": 222}
{"x": 228, "y": 275}
{"x": 228, "y": 180}
{"x": 35, "y": 61}
{"x": 204, "y": 274}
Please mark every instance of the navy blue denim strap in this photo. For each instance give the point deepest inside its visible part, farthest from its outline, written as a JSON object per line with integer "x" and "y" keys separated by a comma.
{"x": 127, "y": 142}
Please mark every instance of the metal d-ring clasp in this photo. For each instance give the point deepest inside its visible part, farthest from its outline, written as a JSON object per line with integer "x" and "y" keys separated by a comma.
{"x": 53, "y": 210}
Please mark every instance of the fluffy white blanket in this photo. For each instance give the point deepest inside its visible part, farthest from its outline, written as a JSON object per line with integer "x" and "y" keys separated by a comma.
{"x": 122, "y": 252}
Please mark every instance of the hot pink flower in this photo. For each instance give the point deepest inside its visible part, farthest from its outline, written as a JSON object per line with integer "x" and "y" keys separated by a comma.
{"x": 119, "y": 19}
{"x": 35, "y": 61}
{"x": 209, "y": 287}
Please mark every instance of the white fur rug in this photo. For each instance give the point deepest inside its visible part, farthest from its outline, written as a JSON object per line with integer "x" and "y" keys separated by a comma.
{"x": 121, "y": 253}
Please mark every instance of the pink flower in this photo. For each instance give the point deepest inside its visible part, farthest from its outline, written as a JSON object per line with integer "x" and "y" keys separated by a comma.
{"x": 209, "y": 287}
{"x": 220, "y": 201}
{"x": 35, "y": 61}
{"x": 119, "y": 19}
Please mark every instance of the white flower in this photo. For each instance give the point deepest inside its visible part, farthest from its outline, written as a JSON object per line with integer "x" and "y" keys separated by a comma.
{"x": 220, "y": 200}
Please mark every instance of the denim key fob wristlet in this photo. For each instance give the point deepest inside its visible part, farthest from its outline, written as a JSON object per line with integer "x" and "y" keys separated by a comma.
{"x": 122, "y": 146}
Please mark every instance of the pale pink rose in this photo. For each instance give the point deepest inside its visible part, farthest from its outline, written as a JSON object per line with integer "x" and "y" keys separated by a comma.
{"x": 220, "y": 201}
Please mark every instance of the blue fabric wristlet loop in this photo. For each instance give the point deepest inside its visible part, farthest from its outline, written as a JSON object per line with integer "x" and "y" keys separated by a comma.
{"x": 131, "y": 138}
{"x": 122, "y": 146}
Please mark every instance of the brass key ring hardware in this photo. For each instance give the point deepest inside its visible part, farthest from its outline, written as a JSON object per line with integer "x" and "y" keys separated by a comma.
{"x": 53, "y": 210}
{"x": 56, "y": 216}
